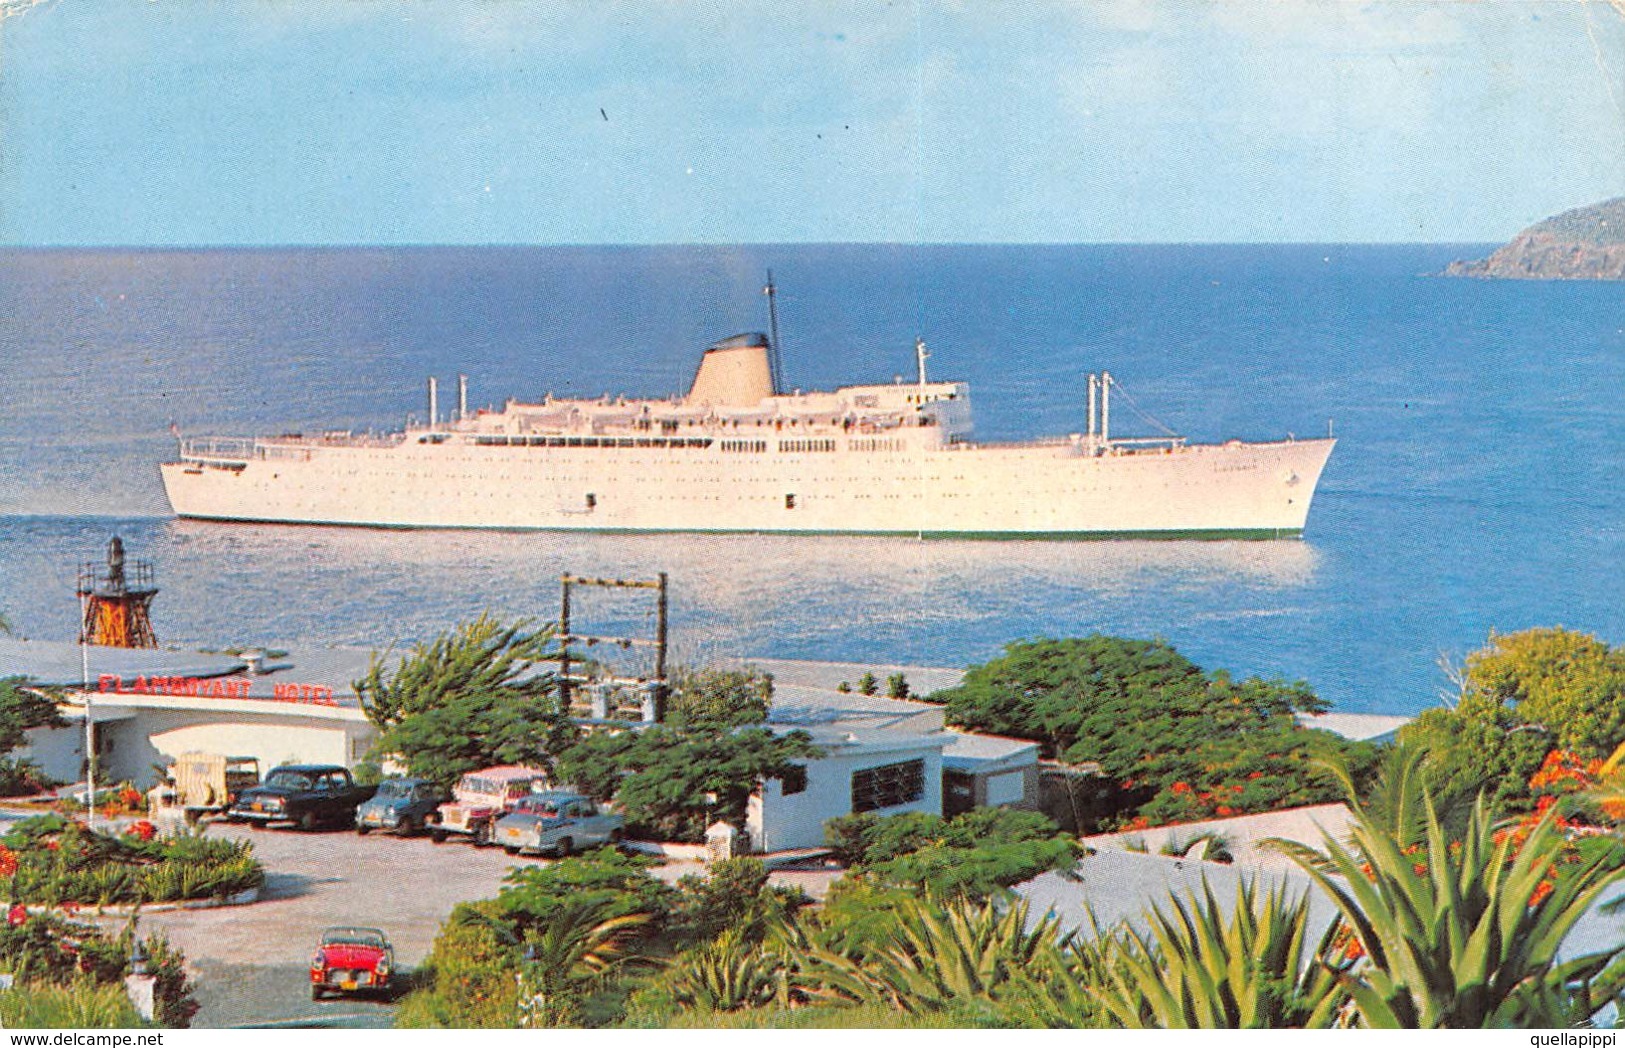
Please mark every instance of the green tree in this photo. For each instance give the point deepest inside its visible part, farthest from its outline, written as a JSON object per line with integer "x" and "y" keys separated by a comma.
{"x": 720, "y": 698}
{"x": 867, "y": 684}
{"x": 1172, "y": 742}
{"x": 973, "y": 855}
{"x": 479, "y": 695}
{"x": 897, "y": 686}
{"x": 1522, "y": 695}
{"x": 673, "y": 781}
{"x": 22, "y": 708}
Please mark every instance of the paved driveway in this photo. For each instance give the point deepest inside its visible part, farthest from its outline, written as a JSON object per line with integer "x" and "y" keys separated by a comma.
{"x": 250, "y": 962}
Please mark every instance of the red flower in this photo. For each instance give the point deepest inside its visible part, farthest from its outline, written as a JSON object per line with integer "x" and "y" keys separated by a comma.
{"x": 17, "y": 916}
{"x": 1182, "y": 787}
{"x": 8, "y": 861}
{"x": 1225, "y": 809}
{"x": 53, "y": 845}
{"x": 143, "y": 830}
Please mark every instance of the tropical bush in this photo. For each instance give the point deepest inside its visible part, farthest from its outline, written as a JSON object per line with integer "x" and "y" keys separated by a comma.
{"x": 48, "y": 950}
{"x": 673, "y": 782}
{"x": 1522, "y": 696}
{"x": 53, "y": 860}
{"x": 972, "y": 854}
{"x": 1173, "y": 743}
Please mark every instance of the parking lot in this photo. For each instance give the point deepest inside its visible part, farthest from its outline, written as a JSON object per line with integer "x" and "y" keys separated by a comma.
{"x": 250, "y": 962}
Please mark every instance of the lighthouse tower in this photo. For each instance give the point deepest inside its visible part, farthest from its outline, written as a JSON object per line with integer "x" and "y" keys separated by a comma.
{"x": 115, "y": 600}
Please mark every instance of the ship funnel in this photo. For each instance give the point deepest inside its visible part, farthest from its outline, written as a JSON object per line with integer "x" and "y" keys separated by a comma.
{"x": 735, "y": 372}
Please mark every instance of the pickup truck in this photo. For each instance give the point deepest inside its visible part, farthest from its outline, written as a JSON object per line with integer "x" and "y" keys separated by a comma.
{"x": 307, "y": 795}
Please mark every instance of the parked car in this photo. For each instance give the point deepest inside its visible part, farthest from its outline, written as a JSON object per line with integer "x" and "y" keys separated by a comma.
{"x": 307, "y": 795}
{"x": 351, "y": 960}
{"x": 400, "y": 806}
{"x": 481, "y": 798}
{"x": 556, "y": 823}
{"x": 210, "y": 783}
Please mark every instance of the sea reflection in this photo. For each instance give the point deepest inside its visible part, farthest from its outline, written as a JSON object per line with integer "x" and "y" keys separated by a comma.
{"x": 861, "y": 599}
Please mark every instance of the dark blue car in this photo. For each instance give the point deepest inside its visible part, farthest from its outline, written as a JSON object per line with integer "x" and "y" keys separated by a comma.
{"x": 401, "y": 806}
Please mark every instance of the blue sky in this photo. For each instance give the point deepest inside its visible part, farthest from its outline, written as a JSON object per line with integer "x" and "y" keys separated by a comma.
{"x": 544, "y": 121}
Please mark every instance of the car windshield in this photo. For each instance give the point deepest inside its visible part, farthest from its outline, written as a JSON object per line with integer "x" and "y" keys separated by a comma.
{"x": 398, "y": 789}
{"x": 538, "y": 806}
{"x": 289, "y": 780}
{"x": 354, "y": 937}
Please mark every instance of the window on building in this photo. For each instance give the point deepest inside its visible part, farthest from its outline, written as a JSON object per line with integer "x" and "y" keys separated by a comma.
{"x": 794, "y": 781}
{"x": 888, "y": 785}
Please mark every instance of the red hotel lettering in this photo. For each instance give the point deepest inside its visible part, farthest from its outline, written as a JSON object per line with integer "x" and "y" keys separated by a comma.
{"x": 211, "y": 688}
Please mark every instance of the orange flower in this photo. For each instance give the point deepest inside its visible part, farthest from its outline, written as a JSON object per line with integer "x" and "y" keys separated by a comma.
{"x": 8, "y": 861}
{"x": 1182, "y": 787}
{"x": 1543, "y": 889}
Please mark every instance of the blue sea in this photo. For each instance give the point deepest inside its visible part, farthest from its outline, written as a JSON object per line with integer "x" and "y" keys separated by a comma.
{"x": 1476, "y": 486}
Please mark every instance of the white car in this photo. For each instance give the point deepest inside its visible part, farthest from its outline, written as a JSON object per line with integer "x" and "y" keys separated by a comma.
{"x": 556, "y": 823}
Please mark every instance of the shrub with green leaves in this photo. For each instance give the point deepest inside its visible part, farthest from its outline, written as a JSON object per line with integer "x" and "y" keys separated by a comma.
{"x": 972, "y": 854}
{"x": 54, "y": 860}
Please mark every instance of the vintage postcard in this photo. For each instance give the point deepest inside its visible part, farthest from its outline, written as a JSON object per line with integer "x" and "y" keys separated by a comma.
{"x": 926, "y": 515}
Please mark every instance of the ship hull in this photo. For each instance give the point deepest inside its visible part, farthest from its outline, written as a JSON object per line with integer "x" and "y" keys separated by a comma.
{"x": 1053, "y": 491}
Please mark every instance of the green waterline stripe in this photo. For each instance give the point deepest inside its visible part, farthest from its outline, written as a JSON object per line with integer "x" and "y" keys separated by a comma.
{"x": 1204, "y": 534}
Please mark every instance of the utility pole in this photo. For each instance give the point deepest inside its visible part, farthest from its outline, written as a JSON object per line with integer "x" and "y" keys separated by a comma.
{"x": 655, "y": 688}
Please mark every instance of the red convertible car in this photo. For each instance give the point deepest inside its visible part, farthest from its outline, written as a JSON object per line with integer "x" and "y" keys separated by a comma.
{"x": 351, "y": 960}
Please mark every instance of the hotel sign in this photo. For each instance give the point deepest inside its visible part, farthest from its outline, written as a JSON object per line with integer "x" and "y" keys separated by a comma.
{"x": 214, "y": 688}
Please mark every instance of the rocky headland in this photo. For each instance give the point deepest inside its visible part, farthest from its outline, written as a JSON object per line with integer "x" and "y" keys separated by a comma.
{"x": 1587, "y": 243}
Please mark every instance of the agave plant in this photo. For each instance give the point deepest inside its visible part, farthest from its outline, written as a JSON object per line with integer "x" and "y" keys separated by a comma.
{"x": 1258, "y": 967}
{"x": 725, "y": 975}
{"x": 1465, "y": 934}
{"x": 935, "y": 954}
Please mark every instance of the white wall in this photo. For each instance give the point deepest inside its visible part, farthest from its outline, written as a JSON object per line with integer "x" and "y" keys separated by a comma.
{"x": 776, "y": 822}
{"x": 59, "y": 752}
{"x": 156, "y": 737}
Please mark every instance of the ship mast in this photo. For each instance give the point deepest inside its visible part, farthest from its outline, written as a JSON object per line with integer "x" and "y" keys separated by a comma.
{"x": 919, "y": 355}
{"x": 774, "y": 361}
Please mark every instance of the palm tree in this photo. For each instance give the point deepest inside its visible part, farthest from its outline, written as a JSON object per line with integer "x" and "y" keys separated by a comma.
{"x": 575, "y": 945}
{"x": 1465, "y": 934}
{"x": 1257, "y": 968}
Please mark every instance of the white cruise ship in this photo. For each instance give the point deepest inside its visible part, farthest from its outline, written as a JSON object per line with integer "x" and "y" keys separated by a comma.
{"x": 737, "y": 455}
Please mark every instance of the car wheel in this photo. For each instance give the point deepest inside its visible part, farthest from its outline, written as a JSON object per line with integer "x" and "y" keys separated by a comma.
{"x": 511, "y": 850}
{"x": 565, "y": 846}
{"x": 258, "y": 824}
{"x": 307, "y": 821}
{"x": 317, "y": 993}
{"x": 482, "y": 836}
{"x": 437, "y": 835}
{"x": 362, "y": 831}
{"x": 408, "y": 828}
{"x": 614, "y": 838}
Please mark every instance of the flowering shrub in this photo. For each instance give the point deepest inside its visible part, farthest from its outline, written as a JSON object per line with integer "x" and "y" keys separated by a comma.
{"x": 43, "y": 949}
{"x": 55, "y": 861}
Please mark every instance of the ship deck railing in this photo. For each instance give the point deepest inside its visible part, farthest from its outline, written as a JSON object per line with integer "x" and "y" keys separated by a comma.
{"x": 245, "y": 449}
